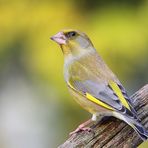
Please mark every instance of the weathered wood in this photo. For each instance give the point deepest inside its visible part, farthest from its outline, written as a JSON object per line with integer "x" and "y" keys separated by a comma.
{"x": 113, "y": 132}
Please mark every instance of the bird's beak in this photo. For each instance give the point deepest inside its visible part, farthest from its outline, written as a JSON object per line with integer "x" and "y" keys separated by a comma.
{"x": 59, "y": 38}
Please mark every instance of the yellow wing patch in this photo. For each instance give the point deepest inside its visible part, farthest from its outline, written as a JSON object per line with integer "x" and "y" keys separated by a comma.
{"x": 118, "y": 92}
{"x": 93, "y": 99}
{"x": 71, "y": 86}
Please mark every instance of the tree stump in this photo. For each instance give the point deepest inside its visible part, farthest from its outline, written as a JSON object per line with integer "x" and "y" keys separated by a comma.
{"x": 113, "y": 132}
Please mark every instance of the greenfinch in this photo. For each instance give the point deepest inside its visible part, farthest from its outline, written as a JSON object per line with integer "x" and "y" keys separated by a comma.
{"x": 94, "y": 86}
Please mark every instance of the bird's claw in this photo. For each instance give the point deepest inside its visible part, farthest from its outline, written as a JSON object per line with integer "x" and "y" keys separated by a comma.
{"x": 79, "y": 129}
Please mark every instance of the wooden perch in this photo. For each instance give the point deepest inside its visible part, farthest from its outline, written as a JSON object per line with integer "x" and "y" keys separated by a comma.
{"x": 113, "y": 132}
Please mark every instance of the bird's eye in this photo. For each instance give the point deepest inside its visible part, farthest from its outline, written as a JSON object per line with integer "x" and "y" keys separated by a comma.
{"x": 71, "y": 34}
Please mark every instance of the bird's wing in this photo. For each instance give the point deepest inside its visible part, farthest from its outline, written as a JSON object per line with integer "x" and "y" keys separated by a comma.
{"x": 126, "y": 97}
{"x": 107, "y": 95}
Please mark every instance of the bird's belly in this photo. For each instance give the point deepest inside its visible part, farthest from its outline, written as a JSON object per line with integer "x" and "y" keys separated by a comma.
{"x": 91, "y": 107}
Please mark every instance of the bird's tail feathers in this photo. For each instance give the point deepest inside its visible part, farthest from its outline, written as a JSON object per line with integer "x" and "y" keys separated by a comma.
{"x": 139, "y": 128}
{"x": 136, "y": 125}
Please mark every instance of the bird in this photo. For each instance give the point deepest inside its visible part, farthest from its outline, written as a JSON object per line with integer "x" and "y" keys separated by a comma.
{"x": 92, "y": 83}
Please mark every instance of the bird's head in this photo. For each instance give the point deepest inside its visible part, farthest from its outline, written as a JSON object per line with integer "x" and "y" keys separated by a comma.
{"x": 73, "y": 42}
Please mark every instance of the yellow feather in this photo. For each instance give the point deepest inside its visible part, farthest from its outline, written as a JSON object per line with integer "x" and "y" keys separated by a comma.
{"x": 93, "y": 99}
{"x": 71, "y": 86}
{"x": 118, "y": 92}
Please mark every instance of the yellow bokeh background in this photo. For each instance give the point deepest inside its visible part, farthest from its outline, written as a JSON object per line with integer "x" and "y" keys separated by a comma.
{"x": 37, "y": 110}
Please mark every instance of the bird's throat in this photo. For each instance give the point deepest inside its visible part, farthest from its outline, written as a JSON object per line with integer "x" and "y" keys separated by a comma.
{"x": 65, "y": 49}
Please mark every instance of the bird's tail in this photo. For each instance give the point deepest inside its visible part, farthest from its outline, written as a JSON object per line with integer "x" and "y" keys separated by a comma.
{"x": 136, "y": 125}
{"x": 139, "y": 128}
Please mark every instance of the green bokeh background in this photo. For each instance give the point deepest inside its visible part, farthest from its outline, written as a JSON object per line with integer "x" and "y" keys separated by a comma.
{"x": 36, "y": 110}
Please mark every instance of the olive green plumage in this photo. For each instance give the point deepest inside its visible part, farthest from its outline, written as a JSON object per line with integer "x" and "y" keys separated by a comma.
{"x": 93, "y": 85}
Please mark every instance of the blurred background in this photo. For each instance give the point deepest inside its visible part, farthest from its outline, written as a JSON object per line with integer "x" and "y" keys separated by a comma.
{"x": 36, "y": 110}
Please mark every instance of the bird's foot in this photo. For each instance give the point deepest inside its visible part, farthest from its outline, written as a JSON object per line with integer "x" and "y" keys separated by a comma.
{"x": 79, "y": 129}
{"x": 82, "y": 127}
